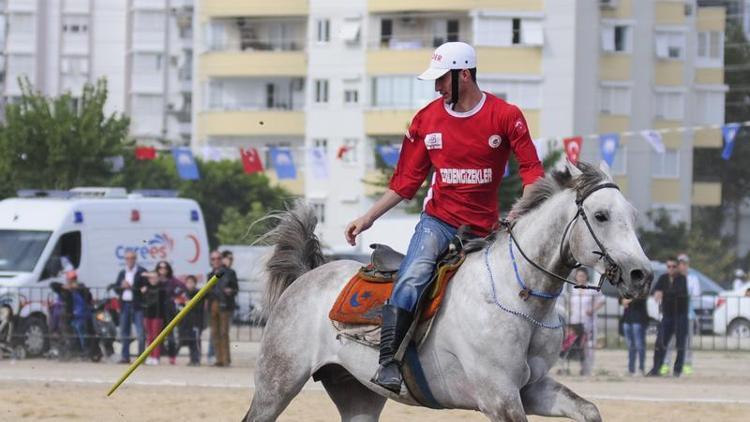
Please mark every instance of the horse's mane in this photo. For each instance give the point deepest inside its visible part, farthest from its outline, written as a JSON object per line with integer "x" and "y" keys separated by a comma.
{"x": 543, "y": 189}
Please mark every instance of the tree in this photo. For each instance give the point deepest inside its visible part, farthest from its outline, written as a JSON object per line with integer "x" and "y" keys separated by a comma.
{"x": 59, "y": 143}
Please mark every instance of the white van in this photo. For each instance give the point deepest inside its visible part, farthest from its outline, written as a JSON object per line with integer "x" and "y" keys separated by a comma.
{"x": 92, "y": 228}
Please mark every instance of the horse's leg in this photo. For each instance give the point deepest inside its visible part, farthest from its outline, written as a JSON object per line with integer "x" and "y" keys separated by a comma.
{"x": 548, "y": 397}
{"x": 279, "y": 377}
{"x": 354, "y": 401}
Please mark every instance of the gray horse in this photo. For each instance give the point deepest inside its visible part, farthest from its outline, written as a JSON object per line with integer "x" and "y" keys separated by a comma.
{"x": 489, "y": 349}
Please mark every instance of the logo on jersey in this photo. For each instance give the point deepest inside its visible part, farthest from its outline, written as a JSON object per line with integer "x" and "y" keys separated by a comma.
{"x": 519, "y": 128}
{"x": 466, "y": 176}
{"x": 495, "y": 141}
{"x": 434, "y": 141}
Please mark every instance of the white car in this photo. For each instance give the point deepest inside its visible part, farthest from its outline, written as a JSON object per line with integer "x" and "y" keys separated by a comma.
{"x": 732, "y": 313}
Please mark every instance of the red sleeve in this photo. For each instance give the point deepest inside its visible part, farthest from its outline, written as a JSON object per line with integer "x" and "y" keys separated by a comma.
{"x": 516, "y": 129}
{"x": 413, "y": 163}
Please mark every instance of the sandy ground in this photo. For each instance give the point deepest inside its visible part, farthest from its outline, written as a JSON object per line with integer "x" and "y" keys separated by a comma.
{"x": 49, "y": 390}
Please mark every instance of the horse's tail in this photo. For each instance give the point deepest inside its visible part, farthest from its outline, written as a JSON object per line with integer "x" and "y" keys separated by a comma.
{"x": 296, "y": 251}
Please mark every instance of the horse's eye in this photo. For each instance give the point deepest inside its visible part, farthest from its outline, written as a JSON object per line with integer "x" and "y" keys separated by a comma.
{"x": 601, "y": 216}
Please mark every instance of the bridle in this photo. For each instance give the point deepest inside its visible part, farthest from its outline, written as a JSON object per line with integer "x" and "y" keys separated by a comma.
{"x": 612, "y": 272}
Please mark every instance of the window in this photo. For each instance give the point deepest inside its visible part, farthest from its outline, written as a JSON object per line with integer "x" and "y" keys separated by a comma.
{"x": 710, "y": 107}
{"x": 147, "y": 62}
{"x": 670, "y": 105}
{"x": 614, "y": 100}
{"x": 710, "y": 48}
{"x": 670, "y": 45}
{"x": 452, "y": 26}
{"x": 498, "y": 31}
{"x": 350, "y": 31}
{"x": 21, "y": 23}
{"x": 319, "y": 208}
{"x": 616, "y": 38}
{"x": 445, "y": 31}
{"x": 67, "y": 246}
{"x": 525, "y": 94}
{"x": 351, "y": 96}
{"x": 321, "y": 91}
{"x": 22, "y": 249}
{"x": 270, "y": 90}
{"x": 673, "y": 211}
{"x": 401, "y": 92}
{"x": 148, "y": 21}
{"x": 349, "y": 150}
{"x": 667, "y": 165}
{"x": 21, "y": 65}
{"x": 74, "y": 65}
{"x": 386, "y": 32}
{"x": 75, "y": 24}
{"x": 321, "y": 143}
{"x": 516, "y": 31}
{"x": 324, "y": 30}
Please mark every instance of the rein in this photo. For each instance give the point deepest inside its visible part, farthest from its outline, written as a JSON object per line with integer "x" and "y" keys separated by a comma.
{"x": 611, "y": 273}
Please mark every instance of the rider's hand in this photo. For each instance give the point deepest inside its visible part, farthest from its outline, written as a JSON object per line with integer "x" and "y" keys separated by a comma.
{"x": 356, "y": 227}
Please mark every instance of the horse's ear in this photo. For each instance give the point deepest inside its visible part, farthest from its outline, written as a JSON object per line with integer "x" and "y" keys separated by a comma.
{"x": 572, "y": 169}
{"x": 604, "y": 167}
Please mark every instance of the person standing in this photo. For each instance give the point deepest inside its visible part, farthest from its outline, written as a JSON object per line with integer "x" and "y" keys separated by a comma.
{"x": 128, "y": 288}
{"x": 192, "y": 325}
{"x": 221, "y": 306}
{"x": 467, "y": 136}
{"x": 740, "y": 278}
{"x": 174, "y": 288}
{"x": 584, "y": 304}
{"x": 634, "y": 324}
{"x": 694, "y": 293}
{"x": 671, "y": 293}
{"x": 154, "y": 307}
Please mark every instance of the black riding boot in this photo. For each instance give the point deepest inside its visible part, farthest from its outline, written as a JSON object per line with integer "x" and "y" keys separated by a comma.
{"x": 396, "y": 322}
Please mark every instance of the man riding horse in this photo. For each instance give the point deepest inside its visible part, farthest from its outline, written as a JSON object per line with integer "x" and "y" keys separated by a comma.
{"x": 467, "y": 136}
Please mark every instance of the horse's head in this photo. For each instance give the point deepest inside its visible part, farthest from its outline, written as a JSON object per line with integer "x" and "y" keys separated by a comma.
{"x": 604, "y": 236}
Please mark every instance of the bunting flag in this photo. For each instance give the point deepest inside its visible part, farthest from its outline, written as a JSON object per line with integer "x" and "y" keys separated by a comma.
{"x": 187, "y": 169}
{"x": 343, "y": 149}
{"x": 608, "y": 145}
{"x": 210, "y": 153}
{"x": 251, "y": 160}
{"x": 145, "y": 153}
{"x": 318, "y": 162}
{"x": 389, "y": 154}
{"x": 729, "y": 132}
{"x": 654, "y": 139}
{"x": 283, "y": 163}
{"x": 573, "y": 148}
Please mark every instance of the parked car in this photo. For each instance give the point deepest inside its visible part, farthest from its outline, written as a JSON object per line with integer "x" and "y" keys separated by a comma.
{"x": 732, "y": 314}
{"x": 704, "y": 305}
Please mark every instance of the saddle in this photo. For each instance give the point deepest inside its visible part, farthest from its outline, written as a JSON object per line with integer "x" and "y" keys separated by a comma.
{"x": 361, "y": 300}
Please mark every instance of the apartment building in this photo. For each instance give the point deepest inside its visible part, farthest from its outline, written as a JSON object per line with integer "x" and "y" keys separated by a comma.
{"x": 341, "y": 76}
{"x": 142, "y": 47}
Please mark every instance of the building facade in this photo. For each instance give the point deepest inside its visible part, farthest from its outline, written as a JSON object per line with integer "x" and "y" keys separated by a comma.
{"x": 142, "y": 47}
{"x": 342, "y": 76}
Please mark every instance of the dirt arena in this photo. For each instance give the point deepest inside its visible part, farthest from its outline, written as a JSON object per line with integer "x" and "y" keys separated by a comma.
{"x": 48, "y": 390}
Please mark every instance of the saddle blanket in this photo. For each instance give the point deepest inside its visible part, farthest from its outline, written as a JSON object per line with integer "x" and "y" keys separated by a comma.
{"x": 361, "y": 300}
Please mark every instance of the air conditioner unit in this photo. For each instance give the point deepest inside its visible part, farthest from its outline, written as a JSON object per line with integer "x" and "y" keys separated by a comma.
{"x": 608, "y": 4}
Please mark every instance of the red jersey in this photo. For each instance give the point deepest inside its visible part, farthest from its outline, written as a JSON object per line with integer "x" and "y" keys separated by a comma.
{"x": 469, "y": 152}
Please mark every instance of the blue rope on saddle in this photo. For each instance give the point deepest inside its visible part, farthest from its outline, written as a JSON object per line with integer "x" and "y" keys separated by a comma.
{"x": 543, "y": 295}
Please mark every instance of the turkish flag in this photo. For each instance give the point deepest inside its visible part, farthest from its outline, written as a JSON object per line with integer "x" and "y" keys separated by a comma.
{"x": 145, "y": 153}
{"x": 251, "y": 160}
{"x": 573, "y": 148}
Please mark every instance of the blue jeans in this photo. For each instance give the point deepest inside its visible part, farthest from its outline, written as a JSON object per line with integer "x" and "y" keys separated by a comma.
{"x": 635, "y": 337}
{"x": 80, "y": 326}
{"x": 130, "y": 314}
{"x": 671, "y": 325}
{"x": 431, "y": 238}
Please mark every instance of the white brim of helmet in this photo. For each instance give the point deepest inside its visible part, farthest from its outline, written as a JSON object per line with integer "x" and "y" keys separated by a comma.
{"x": 432, "y": 73}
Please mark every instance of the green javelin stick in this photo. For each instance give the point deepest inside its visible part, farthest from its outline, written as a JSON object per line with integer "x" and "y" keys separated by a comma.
{"x": 159, "y": 339}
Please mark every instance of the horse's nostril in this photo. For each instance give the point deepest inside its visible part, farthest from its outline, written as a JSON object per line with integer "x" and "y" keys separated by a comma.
{"x": 637, "y": 276}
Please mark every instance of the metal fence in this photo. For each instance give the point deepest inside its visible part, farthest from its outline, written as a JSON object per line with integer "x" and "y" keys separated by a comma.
{"x": 29, "y": 320}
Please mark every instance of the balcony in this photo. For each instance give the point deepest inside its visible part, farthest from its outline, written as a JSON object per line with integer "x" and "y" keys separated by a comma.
{"x": 669, "y": 73}
{"x": 250, "y": 123}
{"x": 380, "y": 6}
{"x": 287, "y": 63}
{"x": 666, "y": 191}
{"x": 255, "y": 94}
{"x": 615, "y": 67}
{"x": 501, "y": 60}
{"x": 706, "y": 194}
{"x": 669, "y": 13}
{"x": 709, "y": 76}
{"x": 227, "y": 8}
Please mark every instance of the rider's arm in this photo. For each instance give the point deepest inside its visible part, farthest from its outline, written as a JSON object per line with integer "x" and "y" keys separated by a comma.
{"x": 514, "y": 125}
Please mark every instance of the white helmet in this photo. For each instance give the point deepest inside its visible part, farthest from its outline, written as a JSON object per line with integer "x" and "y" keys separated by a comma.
{"x": 450, "y": 56}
